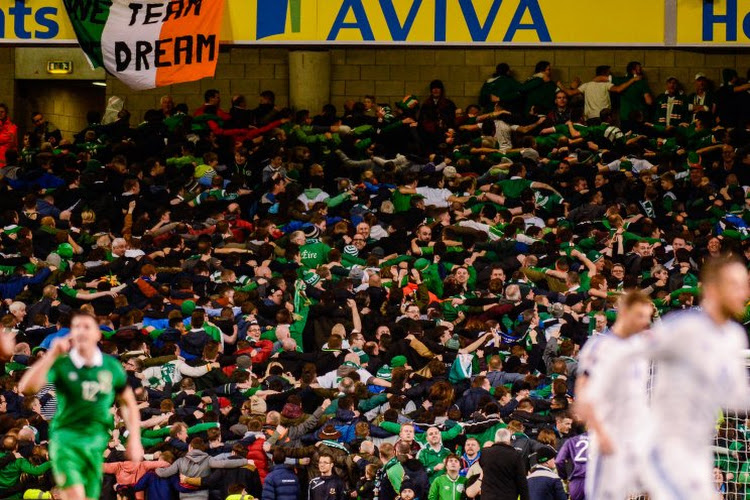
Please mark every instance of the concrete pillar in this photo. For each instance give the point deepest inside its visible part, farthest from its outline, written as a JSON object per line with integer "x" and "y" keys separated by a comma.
{"x": 309, "y": 79}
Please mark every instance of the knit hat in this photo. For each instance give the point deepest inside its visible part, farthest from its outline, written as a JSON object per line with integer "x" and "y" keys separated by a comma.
{"x": 330, "y": 433}
{"x": 437, "y": 84}
{"x": 408, "y": 102}
{"x": 258, "y": 405}
{"x": 311, "y": 278}
{"x": 408, "y": 485}
{"x": 421, "y": 264}
{"x": 291, "y": 411}
{"x": 593, "y": 255}
{"x": 378, "y": 252}
{"x": 65, "y": 250}
{"x": 188, "y": 307}
{"x": 351, "y": 250}
{"x": 453, "y": 343}
{"x": 312, "y": 232}
{"x": 545, "y": 454}
{"x": 224, "y": 402}
{"x": 398, "y": 361}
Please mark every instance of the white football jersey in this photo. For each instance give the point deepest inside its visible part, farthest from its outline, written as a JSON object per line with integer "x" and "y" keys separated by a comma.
{"x": 618, "y": 376}
{"x": 699, "y": 369}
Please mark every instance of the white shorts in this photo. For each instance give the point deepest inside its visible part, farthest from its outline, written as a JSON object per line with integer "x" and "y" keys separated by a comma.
{"x": 675, "y": 472}
{"x": 612, "y": 477}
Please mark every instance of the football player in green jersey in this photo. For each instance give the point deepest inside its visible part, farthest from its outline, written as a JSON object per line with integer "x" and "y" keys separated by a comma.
{"x": 87, "y": 383}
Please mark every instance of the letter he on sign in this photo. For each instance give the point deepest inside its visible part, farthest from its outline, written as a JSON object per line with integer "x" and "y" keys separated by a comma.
{"x": 153, "y": 43}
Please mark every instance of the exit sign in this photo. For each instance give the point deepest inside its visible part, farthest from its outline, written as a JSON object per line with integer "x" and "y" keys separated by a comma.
{"x": 59, "y": 67}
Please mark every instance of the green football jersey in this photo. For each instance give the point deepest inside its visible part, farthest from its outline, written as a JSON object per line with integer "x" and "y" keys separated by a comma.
{"x": 85, "y": 395}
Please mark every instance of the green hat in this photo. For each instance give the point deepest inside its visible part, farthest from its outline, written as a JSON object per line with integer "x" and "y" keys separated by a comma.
{"x": 398, "y": 361}
{"x": 626, "y": 165}
{"x": 421, "y": 264}
{"x": 593, "y": 255}
{"x": 188, "y": 307}
{"x": 311, "y": 278}
{"x": 351, "y": 250}
{"x": 65, "y": 250}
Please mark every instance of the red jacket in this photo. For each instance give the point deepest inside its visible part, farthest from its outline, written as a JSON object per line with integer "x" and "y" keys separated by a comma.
{"x": 263, "y": 350}
{"x": 256, "y": 454}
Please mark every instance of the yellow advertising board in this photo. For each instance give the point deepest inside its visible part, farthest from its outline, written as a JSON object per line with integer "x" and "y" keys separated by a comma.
{"x": 715, "y": 23}
{"x": 415, "y": 22}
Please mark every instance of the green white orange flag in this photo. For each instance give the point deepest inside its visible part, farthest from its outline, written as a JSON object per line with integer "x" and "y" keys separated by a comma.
{"x": 152, "y": 43}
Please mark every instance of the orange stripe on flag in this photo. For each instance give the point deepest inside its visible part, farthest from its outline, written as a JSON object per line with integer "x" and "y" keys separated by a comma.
{"x": 190, "y": 43}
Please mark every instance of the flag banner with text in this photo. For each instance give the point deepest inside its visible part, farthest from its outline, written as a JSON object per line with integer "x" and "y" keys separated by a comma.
{"x": 150, "y": 43}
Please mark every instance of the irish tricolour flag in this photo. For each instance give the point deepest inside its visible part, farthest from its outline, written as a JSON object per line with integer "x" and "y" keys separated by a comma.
{"x": 152, "y": 43}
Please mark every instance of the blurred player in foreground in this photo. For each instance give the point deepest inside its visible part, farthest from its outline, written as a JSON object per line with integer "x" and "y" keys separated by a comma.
{"x": 700, "y": 369}
{"x": 7, "y": 342}
{"x": 612, "y": 399}
{"x": 87, "y": 383}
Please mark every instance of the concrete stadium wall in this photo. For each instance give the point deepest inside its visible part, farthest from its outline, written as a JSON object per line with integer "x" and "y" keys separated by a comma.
{"x": 391, "y": 73}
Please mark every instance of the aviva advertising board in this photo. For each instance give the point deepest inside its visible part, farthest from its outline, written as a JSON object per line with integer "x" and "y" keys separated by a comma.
{"x": 715, "y": 22}
{"x": 417, "y": 22}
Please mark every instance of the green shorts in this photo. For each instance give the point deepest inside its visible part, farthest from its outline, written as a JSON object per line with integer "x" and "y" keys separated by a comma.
{"x": 77, "y": 459}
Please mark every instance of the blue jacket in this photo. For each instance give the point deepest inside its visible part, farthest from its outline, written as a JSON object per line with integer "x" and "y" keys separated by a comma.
{"x": 15, "y": 285}
{"x": 158, "y": 488}
{"x": 545, "y": 484}
{"x": 281, "y": 484}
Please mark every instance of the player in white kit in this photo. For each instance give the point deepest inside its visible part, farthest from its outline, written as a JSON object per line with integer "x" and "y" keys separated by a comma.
{"x": 611, "y": 396}
{"x": 699, "y": 369}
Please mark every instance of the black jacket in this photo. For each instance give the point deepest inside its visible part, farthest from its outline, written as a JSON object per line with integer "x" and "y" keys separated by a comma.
{"x": 327, "y": 488}
{"x": 504, "y": 473}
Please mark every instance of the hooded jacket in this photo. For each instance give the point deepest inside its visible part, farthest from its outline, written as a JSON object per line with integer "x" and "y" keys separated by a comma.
{"x": 197, "y": 463}
{"x": 281, "y": 484}
{"x": 256, "y": 454}
{"x": 129, "y": 473}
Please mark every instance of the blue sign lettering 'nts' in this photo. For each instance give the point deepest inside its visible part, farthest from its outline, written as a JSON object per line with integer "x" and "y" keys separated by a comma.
{"x": 44, "y": 17}
{"x": 729, "y": 20}
{"x": 479, "y": 31}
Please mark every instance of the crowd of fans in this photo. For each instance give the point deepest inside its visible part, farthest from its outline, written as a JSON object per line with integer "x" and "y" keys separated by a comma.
{"x": 376, "y": 302}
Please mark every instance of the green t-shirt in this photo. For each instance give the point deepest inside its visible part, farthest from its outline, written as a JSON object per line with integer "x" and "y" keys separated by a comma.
{"x": 401, "y": 202}
{"x": 512, "y": 188}
{"x": 314, "y": 254}
{"x": 85, "y": 395}
{"x": 632, "y": 98}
